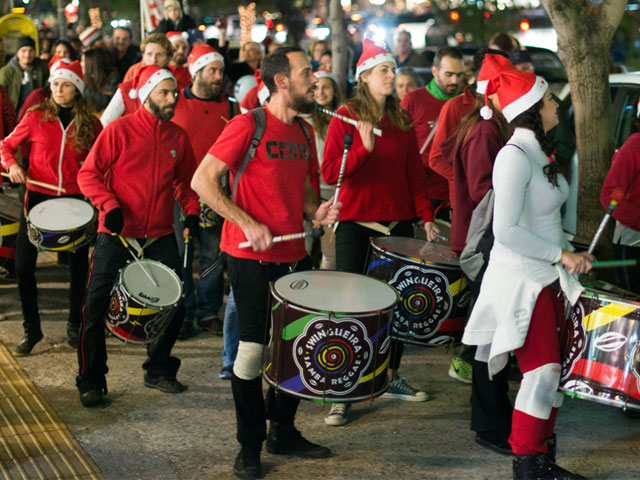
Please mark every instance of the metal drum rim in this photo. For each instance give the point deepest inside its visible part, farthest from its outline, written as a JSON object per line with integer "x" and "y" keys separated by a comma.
{"x": 277, "y": 386}
{"x": 598, "y": 399}
{"x": 73, "y": 229}
{"x": 412, "y": 260}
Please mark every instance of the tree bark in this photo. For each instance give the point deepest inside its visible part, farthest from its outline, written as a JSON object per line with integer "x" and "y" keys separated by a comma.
{"x": 339, "y": 51}
{"x": 584, "y": 39}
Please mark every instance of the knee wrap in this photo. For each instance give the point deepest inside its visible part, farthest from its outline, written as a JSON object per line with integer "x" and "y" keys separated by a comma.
{"x": 248, "y": 361}
{"x": 538, "y": 390}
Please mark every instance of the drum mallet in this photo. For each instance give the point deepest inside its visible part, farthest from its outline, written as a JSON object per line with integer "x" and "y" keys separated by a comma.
{"x": 135, "y": 257}
{"x": 348, "y": 140}
{"x": 615, "y": 263}
{"x": 350, "y": 121}
{"x": 616, "y": 196}
{"x": 315, "y": 233}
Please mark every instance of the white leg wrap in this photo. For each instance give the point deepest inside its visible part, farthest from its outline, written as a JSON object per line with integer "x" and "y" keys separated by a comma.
{"x": 557, "y": 401}
{"x": 248, "y": 361}
{"x": 538, "y": 390}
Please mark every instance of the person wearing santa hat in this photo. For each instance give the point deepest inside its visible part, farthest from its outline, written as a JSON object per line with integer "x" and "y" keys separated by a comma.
{"x": 61, "y": 131}
{"x": 256, "y": 96}
{"x": 384, "y": 182}
{"x": 470, "y": 152}
{"x": 202, "y": 103}
{"x": 180, "y": 49}
{"x": 136, "y": 168}
{"x": 283, "y": 163}
{"x": 424, "y": 105}
{"x": 520, "y": 306}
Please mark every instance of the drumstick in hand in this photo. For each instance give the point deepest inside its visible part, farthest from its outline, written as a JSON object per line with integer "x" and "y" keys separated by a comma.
{"x": 41, "y": 184}
{"x": 315, "y": 233}
{"x": 616, "y": 196}
{"x": 350, "y": 121}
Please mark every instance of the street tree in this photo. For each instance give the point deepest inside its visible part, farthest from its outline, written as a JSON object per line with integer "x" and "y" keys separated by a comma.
{"x": 339, "y": 51}
{"x": 585, "y": 29}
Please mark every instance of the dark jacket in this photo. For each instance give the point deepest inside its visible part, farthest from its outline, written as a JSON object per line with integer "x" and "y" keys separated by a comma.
{"x": 185, "y": 23}
{"x": 131, "y": 56}
{"x": 11, "y": 77}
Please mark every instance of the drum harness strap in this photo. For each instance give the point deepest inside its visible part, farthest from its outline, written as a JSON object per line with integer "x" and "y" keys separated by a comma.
{"x": 378, "y": 227}
{"x": 136, "y": 246}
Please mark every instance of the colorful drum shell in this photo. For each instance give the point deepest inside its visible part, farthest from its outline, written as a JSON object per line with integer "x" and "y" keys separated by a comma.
{"x": 60, "y": 224}
{"x": 600, "y": 350}
{"x": 138, "y": 311}
{"x": 330, "y": 356}
{"x": 207, "y": 216}
{"x": 9, "y": 226}
{"x": 434, "y": 297}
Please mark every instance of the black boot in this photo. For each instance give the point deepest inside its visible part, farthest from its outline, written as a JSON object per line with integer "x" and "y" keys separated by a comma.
{"x": 538, "y": 467}
{"x": 247, "y": 464}
{"x": 287, "y": 440}
{"x": 551, "y": 448}
{"x": 27, "y": 343}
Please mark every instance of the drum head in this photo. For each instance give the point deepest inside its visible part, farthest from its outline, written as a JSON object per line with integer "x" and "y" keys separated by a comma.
{"x": 339, "y": 292}
{"x": 138, "y": 284}
{"x": 416, "y": 250}
{"x": 61, "y": 214}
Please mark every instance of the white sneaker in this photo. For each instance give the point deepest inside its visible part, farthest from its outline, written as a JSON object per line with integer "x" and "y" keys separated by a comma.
{"x": 338, "y": 415}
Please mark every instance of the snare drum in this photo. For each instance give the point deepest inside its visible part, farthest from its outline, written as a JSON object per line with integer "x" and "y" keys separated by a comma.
{"x": 139, "y": 312}
{"x": 207, "y": 215}
{"x": 433, "y": 291}
{"x": 329, "y": 336}
{"x": 600, "y": 349}
{"x": 60, "y": 224}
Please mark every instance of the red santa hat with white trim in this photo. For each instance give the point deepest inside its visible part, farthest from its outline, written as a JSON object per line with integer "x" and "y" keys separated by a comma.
{"x": 517, "y": 92}
{"x": 174, "y": 37}
{"x": 373, "y": 53}
{"x": 201, "y": 56}
{"x": 68, "y": 70}
{"x": 492, "y": 64}
{"x": 53, "y": 63}
{"x": 147, "y": 78}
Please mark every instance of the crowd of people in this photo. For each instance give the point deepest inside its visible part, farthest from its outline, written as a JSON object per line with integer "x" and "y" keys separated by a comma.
{"x": 175, "y": 144}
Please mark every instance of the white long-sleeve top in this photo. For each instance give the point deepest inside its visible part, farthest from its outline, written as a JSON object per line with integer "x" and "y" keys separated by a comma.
{"x": 529, "y": 239}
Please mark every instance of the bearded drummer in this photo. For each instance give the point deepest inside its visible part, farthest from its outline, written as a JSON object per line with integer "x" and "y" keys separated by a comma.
{"x": 61, "y": 131}
{"x": 270, "y": 199}
{"x": 137, "y": 166}
{"x": 384, "y": 185}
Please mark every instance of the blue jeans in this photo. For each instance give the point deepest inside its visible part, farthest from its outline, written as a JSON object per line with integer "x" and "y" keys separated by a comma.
{"x": 203, "y": 302}
{"x": 230, "y": 332}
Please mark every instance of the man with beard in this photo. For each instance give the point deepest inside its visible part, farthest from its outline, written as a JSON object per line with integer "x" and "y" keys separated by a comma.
{"x": 424, "y": 105}
{"x": 136, "y": 167}
{"x": 202, "y": 111}
{"x": 180, "y": 49}
{"x": 270, "y": 199}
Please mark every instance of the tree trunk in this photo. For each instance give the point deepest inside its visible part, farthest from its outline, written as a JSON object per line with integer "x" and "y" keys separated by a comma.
{"x": 339, "y": 51}
{"x": 584, "y": 39}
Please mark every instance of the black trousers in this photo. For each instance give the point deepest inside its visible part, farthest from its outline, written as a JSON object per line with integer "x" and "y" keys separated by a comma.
{"x": 26, "y": 258}
{"x": 629, "y": 276}
{"x": 108, "y": 258}
{"x": 352, "y": 248}
{"x": 250, "y": 282}
{"x": 491, "y": 409}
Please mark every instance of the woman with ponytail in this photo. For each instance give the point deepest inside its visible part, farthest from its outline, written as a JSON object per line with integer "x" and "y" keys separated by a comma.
{"x": 521, "y": 305}
{"x": 61, "y": 131}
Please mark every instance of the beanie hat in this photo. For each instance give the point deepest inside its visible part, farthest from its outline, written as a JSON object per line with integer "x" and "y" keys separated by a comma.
{"x": 201, "y": 56}
{"x": 171, "y": 3}
{"x": 325, "y": 74}
{"x": 146, "y": 79}
{"x": 517, "y": 92}
{"x": 90, "y": 36}
{"x": 373, "y": 53}
{"x": 68, "y": 70}
{"x": 491, "y": 66}
{"x": 175, "y": 37}
{"x": 26, "y": 42}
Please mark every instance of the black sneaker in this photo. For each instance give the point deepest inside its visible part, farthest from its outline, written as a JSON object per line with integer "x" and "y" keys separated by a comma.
{"x": 186, "y": 331}
{"x": 163, "y": 384}
{"x": 494, "y": 441}
{"x": 91, "y": 398}
{"x": 287, "y": 440}
{"x": 26, "y": 344}
{"x": 247, "y": 464}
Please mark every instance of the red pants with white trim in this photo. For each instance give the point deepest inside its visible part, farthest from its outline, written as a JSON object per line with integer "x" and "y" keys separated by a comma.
{"x": 534, "y": 414}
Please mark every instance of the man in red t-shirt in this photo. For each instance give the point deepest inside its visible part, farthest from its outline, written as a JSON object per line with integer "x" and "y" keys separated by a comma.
{"x": 270, "y": 199}
{"x": 424, "y": 105}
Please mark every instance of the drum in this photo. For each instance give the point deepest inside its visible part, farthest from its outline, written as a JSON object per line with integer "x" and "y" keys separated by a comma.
{"x": 329, "y": 336}
{"x": 600, "y": 349}
{"x": 9, "y": 225}
{"x": 60, "y": 224}
{"x": 139, "y": 312}
{"x": 207, "y": 215}
{"x": 434, "y": 297}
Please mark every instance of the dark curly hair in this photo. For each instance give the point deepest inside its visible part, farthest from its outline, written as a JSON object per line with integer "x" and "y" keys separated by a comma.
{"x": 531, "y": 120}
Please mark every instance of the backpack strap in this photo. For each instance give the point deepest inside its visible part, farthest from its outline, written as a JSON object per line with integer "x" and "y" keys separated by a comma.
{"x": 305, "y": 129}
{"x": 260, "y": 118}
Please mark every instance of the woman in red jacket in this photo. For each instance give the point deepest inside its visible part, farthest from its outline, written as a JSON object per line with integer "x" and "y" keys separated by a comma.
{"x": 60, "y": 131}
{"x": 384, "y": 182}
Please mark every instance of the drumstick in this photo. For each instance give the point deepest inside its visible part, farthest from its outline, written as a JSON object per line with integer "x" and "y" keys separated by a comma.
{"x": 351, "y": 121}
{"x": 348, "y": 140}
{"x": 186, "y": 250}
{"x": 616, "y": 196}
{"x": 614, "y": 263}
{"x": 315, "y": 233}
{"x": 135, "y": 257}
{"x": 41, "y": 184}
